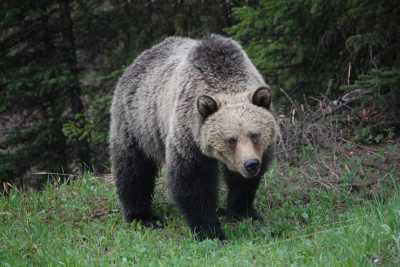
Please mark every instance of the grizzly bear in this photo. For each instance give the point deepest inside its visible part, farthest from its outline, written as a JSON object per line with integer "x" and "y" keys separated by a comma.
{"x": 200, "y": 108}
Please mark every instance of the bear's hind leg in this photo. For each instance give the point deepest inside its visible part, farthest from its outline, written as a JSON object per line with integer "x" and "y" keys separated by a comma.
{"x": 241, "y": 194}
{"x": 135, "y": 178}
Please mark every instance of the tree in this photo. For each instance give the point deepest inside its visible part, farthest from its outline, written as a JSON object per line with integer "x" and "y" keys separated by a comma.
{"x": 39, "y": 76}
{"x": 58, "y": 66}
{"x": 81, "y": 145}
{"x": 308, "y": 46}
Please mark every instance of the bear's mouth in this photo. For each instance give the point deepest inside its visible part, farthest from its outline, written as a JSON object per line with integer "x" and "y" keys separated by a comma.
{"x": 250, "y": 174}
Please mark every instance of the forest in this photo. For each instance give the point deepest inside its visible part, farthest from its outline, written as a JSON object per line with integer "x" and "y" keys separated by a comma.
{"x": 60, "y": 61}
{"x": 334, "y": 70}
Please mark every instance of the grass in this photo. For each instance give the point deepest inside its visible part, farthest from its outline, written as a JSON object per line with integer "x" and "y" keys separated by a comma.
{"x": 305, "y": 224}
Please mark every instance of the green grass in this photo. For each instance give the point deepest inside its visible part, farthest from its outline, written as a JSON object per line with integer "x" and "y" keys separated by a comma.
{"x": 79, "y": 224}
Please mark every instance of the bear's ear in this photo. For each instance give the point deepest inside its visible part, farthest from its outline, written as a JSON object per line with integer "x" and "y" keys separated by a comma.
{"x": 261, "y": 97}
{"x": 207, "y": 105}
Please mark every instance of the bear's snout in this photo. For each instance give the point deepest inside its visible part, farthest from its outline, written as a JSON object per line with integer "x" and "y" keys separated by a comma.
{"x": 248, "y": 157}
{"x": 252, "y": 166}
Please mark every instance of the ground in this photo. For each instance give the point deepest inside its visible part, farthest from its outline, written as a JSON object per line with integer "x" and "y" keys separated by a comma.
{"x": 348, "y": 218}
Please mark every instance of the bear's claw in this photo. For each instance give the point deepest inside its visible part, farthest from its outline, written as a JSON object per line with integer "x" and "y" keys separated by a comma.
{"x": 150, "y": 222}
{"x": 154, "y": 222}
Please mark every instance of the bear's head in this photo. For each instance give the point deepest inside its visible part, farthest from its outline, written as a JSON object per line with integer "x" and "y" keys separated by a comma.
{"x": 238, "y": 129}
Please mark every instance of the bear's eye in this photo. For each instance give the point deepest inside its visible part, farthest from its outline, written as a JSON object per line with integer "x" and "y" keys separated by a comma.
{"x": 231, "y": 141}
{"x": 255, "y": 137}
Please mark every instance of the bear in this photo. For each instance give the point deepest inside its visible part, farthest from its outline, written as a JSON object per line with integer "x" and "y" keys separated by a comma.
{"x": 201, "y": 109}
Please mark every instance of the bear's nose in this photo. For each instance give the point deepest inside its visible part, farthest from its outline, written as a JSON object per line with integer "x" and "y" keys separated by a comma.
{"x": 252, "y": 165}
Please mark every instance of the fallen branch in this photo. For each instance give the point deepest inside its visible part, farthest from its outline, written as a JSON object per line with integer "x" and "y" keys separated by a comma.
{"x": 55, "y": 173}
{"x": 343, "y": 102}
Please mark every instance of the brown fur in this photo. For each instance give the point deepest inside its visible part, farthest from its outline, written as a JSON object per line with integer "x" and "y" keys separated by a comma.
{"x": 177, "y": 105}
{"x": 253, "y": 127}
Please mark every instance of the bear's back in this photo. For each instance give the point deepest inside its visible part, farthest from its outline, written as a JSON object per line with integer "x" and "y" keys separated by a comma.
{"x": 157, "y": 59}
{"x": 142, "y": 93}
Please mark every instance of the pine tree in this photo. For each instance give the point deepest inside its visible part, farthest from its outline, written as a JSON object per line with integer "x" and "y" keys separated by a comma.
{"x": 306, "y": 46}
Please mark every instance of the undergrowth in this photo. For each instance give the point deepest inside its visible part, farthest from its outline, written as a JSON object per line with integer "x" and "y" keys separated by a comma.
{"x": 352, "y": 220}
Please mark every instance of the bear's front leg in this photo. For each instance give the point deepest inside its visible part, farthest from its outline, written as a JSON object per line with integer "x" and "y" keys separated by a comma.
{"x": 194, "y": 185}
{"x": 241, "y": 194}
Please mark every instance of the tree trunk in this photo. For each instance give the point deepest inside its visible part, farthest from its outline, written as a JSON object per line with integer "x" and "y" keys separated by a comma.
{"x": 59, "y": 148}
{"x": 81, "y": 147}
{"x": 227, "y": 10}
{"x": 149, "y": 16}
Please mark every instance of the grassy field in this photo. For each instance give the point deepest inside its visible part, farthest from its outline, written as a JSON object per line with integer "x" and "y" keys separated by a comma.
{"x": 307, "y": 222}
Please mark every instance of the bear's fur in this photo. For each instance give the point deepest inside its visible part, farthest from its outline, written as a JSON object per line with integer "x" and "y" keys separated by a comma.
{"x": 199, "y": 107}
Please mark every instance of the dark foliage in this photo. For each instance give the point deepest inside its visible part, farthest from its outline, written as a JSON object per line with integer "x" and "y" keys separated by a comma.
{"x": 59, "y": 61}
